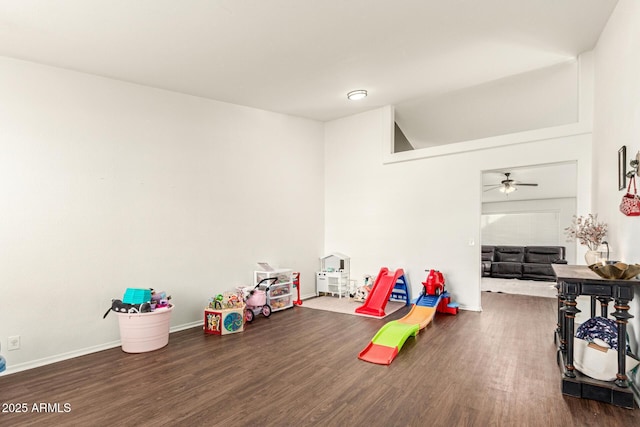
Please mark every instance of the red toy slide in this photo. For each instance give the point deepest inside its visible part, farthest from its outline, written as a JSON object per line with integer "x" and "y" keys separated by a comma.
{"x": 380, "y": 292}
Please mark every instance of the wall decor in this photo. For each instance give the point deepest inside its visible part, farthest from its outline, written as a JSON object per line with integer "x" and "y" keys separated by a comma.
{"x": 622, "y": 167}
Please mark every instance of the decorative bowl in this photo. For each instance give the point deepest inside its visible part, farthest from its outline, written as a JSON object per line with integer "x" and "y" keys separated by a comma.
{"x": 619, "y": 270}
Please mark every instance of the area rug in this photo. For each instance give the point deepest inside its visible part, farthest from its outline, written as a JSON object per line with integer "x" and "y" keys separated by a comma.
{"x": 346, "y": 306}
{"x": 521, "y": 287}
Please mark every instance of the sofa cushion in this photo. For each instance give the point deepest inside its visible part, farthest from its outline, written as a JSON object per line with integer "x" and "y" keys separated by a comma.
{"x": 543, "y": 254}
{"x": 486, "y": 268}
{"x": 487, "y": 253}
{"x": 537, "y": 271}
{"x": 509, "y": 253}
{"x": 506, "y": 270}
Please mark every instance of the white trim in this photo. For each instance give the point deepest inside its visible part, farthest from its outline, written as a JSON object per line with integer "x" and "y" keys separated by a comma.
{"x": 470, "y": 308}
{"x": 12, "y": 369}
{"x": 81, "y": 352}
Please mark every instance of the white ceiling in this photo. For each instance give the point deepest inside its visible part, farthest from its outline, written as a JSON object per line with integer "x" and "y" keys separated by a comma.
{"x": 301, "y": 57}
{"x": 554, "y": 181}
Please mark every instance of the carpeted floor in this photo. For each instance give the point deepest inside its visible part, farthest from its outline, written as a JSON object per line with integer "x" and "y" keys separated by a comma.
{"x": 521, "y": 287}
{"x": 346, "y": 305}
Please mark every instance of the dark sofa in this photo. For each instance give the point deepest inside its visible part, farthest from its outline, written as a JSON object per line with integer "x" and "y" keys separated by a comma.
{"x": 521, "y": 262}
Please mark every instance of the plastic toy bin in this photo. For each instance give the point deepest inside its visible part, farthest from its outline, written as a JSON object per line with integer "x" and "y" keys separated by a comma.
{"x": 142, "y": 332}
{"x": 279, "y": 303}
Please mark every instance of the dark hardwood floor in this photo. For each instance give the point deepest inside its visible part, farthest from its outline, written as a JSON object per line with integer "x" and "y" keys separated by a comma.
{"x": 300, "y": 367}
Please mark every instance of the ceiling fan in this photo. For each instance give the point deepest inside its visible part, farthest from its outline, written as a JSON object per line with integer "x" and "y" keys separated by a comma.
{"x": 508, "y": 185}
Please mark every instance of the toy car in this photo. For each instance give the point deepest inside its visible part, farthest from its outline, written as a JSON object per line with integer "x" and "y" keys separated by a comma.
{"x": 434, "y": 285}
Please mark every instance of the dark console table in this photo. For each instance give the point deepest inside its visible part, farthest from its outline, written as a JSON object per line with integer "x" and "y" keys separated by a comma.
{"x": 576, "y": 280}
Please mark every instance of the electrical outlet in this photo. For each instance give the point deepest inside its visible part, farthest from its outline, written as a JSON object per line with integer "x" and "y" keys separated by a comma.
{"x": 13, "y": 343}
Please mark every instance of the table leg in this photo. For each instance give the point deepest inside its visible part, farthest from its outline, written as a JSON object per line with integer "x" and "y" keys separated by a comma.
{"x": 570, "y": 311}
{"x": 560, "y": 329}
{"x": 604, "y": 306}
{"x": 622, "y": 316}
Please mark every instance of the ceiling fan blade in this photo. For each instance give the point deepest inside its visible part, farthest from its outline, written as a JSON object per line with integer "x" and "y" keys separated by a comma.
{"x": 507, "y": 185}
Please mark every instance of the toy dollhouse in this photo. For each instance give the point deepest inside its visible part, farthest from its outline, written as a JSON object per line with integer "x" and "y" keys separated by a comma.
{"x": 333, "y": 277}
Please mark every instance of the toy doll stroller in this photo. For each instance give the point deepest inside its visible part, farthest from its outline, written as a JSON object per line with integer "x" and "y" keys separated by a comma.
{"x": 257, "y": 301}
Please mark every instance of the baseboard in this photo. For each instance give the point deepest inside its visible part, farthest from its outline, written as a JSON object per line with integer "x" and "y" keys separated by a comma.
{"x": 186, "y": 326}
{"x": 470, "y": 307}
{"x": 12, "y": 369}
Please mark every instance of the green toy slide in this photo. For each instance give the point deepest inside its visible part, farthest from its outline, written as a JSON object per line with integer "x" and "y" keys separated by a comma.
{"x": 388, "y": 341}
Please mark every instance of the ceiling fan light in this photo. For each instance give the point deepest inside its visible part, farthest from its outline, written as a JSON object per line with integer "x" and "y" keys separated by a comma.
{"x": 507, "y": 189}
{"x": 355, "y": 95}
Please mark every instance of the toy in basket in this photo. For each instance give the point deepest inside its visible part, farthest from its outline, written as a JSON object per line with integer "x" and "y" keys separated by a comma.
{"x": 257, "y": 301}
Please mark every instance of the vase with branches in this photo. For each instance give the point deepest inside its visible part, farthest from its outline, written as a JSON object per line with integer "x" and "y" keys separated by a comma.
{"x": 588, "y": 231}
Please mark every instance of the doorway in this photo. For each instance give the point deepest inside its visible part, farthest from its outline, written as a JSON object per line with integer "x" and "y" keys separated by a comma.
{"x": 526, "y": 206}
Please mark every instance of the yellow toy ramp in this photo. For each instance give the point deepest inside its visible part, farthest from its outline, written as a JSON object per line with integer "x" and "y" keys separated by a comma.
{"x": 419, "y": 315}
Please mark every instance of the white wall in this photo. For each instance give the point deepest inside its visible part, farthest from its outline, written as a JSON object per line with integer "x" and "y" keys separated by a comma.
{"x": 512, "y": 104}
{"x": 423, "y": 213}
{"x": 617, "y": 123}
{"x": 564, "y": 207}
{"x": 107, "y": 185}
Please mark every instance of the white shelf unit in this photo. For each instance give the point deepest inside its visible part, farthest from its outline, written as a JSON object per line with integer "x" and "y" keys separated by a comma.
{"x": 279, "y": 296}
{"x": 334, "y": 283}
{"x": 333, "y": 277}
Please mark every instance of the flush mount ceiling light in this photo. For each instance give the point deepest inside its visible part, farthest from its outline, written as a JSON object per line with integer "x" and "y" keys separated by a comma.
{"x": 355, "y": 95}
